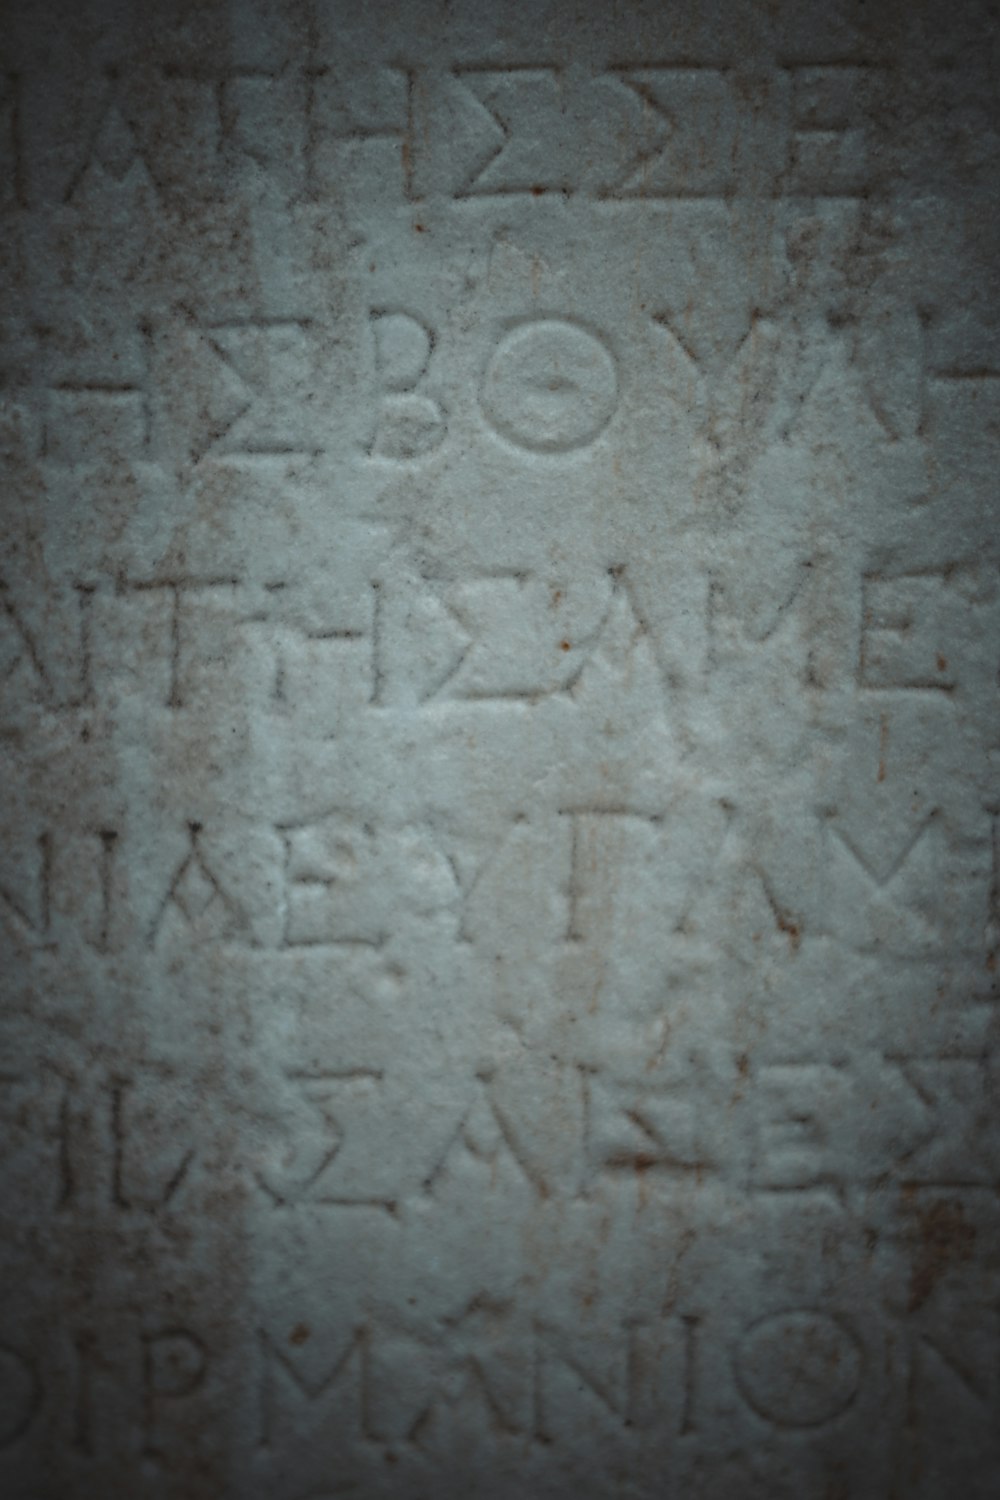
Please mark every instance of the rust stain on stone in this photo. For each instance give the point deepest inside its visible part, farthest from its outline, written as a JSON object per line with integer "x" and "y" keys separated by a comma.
{"x": 944, "y": 1239}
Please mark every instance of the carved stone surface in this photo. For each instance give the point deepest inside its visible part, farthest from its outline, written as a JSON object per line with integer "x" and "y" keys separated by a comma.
{"x": 500, "y": 858}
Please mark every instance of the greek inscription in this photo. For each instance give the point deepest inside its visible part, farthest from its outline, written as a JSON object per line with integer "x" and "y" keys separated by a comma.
{"x": 292, "y": 1397}
{"x": 410, "y": 422}
{"x": 174, "y": 1363}
{"x": 196, "y": 903}
{"x": 317, "y": 1156}
{"x": 550, "y": 387}
{"x": 799, "y": 1369}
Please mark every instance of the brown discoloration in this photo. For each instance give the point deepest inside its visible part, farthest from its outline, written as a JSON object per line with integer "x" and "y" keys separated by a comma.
{"x": 944, "y": 1239}
{"x": 642, "y": 1161}
{"x": 783, "y": 919}
{"x": 791, "y": 930}
{"x": 793, "y": 933}
{"x": 135, "y": 1256}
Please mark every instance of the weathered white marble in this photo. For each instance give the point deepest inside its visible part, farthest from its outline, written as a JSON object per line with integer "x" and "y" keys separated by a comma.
{"x": 499, "y": 718}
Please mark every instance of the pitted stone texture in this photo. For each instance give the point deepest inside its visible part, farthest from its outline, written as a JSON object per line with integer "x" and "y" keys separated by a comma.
{"x": 500, "y": 828}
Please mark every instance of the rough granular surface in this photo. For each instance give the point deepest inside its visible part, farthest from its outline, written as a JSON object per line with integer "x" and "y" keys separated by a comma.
{"x": 500, "y": 726}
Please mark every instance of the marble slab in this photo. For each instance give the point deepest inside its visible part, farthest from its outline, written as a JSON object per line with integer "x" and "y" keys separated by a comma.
{"x": 499, "y": 722}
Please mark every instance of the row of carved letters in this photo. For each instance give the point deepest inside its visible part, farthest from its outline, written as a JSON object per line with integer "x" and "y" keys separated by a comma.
{"x": 908, "y": 628}
{"x": 348, "y": 883}
{"x": 810, "y": 1122}
{"x": 652, "y": 1379}
{"x": 667, "y": 132}
{"x": 548, "y": 386}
